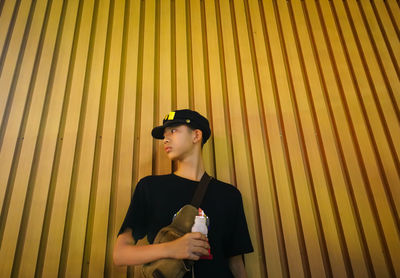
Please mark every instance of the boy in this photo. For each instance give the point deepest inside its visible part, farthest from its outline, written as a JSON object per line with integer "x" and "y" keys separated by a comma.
{"x": 157, "y": 198}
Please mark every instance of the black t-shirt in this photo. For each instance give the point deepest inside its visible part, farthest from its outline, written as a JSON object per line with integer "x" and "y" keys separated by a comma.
{"x": 157, "y": 198}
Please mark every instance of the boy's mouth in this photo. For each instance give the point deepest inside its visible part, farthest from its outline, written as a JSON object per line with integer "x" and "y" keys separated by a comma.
{"x": 167, "y": 149}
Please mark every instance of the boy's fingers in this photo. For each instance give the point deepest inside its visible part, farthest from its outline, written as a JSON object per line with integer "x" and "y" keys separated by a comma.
{"x": 198, "y": 235}
{"x": 202, "y": 244}
{"x": 200, "y": 251}
{"x": 202, "y": 237}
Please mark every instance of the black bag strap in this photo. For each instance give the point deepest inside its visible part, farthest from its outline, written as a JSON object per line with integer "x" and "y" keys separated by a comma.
{"x": 201, "y": 190}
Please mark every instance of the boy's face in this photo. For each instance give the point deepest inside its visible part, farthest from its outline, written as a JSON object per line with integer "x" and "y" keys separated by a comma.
{"x": 178, "y": 142}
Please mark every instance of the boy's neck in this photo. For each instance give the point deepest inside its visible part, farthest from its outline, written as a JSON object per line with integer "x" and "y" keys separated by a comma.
{"x": 190, "y": 168}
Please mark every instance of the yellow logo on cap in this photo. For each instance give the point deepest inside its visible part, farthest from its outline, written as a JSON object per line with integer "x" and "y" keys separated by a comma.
{"x": 171, "y": 115}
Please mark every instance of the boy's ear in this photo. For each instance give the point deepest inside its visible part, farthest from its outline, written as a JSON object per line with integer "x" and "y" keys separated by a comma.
{"x": 198, "y": 135}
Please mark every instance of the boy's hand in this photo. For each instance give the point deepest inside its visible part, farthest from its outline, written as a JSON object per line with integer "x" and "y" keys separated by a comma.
{"x": 190, "y": 246}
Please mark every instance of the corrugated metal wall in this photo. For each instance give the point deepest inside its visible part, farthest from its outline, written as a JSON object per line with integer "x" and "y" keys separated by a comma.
{"x": 304, "y": 102}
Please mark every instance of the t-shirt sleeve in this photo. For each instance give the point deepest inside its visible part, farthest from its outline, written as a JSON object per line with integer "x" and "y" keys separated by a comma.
{"x": 136, "y": 216}
{"x": 240, "y": 242}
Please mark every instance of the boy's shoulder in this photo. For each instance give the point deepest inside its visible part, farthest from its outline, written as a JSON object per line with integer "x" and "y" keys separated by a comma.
{"x": 151, "y": 178}
{"x": 227, "y": 187}
{"x": 154, "y": 181}
{"x": 217, "y": 186}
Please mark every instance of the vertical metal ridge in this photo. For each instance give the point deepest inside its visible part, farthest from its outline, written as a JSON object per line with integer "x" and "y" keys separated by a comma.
{"x": 191, "y": 92}
{"x": 301, "y": 137}
{"x": 56, "y": 162}
{"x": 156, "y": 78}
{"x": 392, "y": 19}
{"x": 78, "y": 146}
{"x": 245, "y": 120}
{"x": 263, "y": 268}
{"x": 266, "y": 144}
{"x": 373, "y": 89}
{"x": 9, "y": 33}
{"x": 138, "y": 104}
{"x": 288, "y": 164}
{"x": 323, "y": 157}
{"x": 99, "y": 129}
{"x": 4, "y": 124}
{"x": 173, "y": 57}
{"x": 354, "y": 141}
{"x": 207, "y": 80}
{"x": 357, "y": 149}
{"x": 327, "y": 174}
{"x": 225, "y": 93}
{"x": 22, "y": 130}
{"x": 39, "y": 144}
{"x": 355, "y": 145}
{"x": 1, "y": 6}
{"x": 117, "y": 144}
{"x": 33, "y": 176}
{"x": 364, "y": 112}
{"x": 385, "y": 38}
{"x": 277, "y": 213}
{"x": 17, "y": 71}
{"x": 339, "y": 148}
{"x": 61, "y": 131}
{"x": 379, "y": 61}
{"x": 368, "y": 127}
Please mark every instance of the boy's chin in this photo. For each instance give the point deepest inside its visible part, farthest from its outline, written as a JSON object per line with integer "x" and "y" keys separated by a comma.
{"x": 172, "y": 156}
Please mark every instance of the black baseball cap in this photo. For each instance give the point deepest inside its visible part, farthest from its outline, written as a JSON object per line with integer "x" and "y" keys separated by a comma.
{"x": 184, "y": 116}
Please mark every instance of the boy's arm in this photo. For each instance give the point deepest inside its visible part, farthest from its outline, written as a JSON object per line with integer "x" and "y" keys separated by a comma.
{"x": 190, "y": 246}
{"x": 237, "y": 266}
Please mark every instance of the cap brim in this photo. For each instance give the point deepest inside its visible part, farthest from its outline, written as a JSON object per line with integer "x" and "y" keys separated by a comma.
{"x": 158, "y": 131}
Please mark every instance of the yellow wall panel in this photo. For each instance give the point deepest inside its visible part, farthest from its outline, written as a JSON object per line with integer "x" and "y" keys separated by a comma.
{"x": 304, "y": 102}
{"x": 123, "y": 167}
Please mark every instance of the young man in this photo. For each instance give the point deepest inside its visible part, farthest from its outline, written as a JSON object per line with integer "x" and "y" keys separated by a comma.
{"x": 157, "y": 198}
